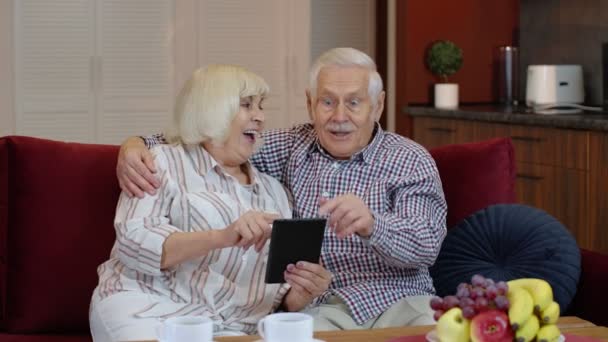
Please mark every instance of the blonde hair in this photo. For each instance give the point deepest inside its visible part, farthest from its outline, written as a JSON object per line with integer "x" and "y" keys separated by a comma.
{"x": 347, "y": 57}
{"x": 209, "y": 101}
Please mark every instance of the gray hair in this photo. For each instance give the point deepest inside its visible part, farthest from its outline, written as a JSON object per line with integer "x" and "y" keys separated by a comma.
{"x": 209, "y": 101}
{"x": 347, "y": 57}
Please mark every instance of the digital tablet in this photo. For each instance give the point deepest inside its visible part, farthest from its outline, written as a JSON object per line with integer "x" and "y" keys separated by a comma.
{"x": 293, "y": 240}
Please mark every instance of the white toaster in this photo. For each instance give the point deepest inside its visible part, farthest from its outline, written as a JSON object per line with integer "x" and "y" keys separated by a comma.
{"x": 554, "y": 86}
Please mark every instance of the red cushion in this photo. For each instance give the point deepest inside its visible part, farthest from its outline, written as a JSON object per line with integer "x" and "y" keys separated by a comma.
{"x": 591, "y": 301}
{"x": 475, "y": 175}
{"x": 3, "y": 225}
{"x": 61, "y": 203}
{"x": 45, "y": 338}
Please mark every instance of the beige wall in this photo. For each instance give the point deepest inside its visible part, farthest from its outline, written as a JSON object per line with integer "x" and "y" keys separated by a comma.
{"x": 185, "y": 41}
{"x": 7, "y": 114}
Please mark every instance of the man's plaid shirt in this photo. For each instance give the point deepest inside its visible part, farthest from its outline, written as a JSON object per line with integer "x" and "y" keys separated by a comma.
{"x": 399, "y": 182}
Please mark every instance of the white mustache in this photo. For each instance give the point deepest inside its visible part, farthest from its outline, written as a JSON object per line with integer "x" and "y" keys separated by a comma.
{"x": 343, "y": 127}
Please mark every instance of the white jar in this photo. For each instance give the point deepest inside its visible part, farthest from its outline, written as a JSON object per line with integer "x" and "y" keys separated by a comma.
{"x": 446, "y": 95}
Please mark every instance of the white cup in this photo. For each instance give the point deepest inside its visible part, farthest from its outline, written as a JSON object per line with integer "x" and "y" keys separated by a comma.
{"x": 286, "y": 326}
{"x": 186, "y": 329}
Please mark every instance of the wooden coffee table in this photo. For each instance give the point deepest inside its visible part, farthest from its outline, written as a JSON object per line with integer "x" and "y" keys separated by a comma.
{"x": 568, "y": 325}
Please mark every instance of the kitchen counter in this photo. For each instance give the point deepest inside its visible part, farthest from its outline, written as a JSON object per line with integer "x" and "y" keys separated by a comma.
{"x": 562, "y": 160}
{"x": 595, "y": 121}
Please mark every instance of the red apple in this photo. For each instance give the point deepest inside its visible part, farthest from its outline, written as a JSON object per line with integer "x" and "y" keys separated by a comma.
{"x": 491, "y": 326}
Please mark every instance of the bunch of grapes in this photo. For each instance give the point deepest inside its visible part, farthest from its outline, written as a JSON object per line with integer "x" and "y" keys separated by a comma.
{"x": 480, "y": 295}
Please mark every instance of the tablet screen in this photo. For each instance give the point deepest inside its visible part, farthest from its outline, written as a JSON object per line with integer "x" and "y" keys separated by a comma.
{"x": 293, "y": 240}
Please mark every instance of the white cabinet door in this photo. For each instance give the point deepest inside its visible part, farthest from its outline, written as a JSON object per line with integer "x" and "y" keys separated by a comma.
{"x": 93, "y": 70}
{"x": 342, "y": 23}
{"x": 102, "y": 70}
{"x": 135, "y": 83}
{"x": 254, "y": 34}
{"x": 54, "y": 51}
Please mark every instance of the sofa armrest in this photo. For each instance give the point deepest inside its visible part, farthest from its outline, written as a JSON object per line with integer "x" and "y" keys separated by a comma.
{"x": 591, "y": 302}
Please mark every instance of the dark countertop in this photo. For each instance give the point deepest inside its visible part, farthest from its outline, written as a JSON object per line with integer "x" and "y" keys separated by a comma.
{"x": 596, "y": 121}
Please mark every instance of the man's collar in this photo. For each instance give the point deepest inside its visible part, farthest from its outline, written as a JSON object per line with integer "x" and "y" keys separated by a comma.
{"x": 371, "y": 149}
{"x": 366, "y": 154}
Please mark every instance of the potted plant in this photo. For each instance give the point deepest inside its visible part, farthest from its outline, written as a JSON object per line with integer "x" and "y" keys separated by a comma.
{"x": 443, "y": 59}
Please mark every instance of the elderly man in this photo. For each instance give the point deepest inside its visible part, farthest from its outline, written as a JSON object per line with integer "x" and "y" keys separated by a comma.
{"x": 381, "y": 192}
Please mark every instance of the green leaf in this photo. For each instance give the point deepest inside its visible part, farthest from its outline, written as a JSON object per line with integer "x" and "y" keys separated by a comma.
{"x": 444, "y": 58}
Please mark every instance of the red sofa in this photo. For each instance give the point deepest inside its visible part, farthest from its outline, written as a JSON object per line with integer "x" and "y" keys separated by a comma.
{"x": 57, "y": 203}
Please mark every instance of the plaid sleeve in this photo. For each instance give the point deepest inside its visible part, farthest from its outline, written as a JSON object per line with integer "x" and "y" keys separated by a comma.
{"x": 154, "y": 139}
{"x": 411, "y": 235}
{"x": 272, "y": 158}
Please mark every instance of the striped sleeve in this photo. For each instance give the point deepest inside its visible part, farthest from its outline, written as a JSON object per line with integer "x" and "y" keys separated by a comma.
{"x": 411, "y": 235}
{"x": 278, "y": 299}
{"x": 142, "y": 225}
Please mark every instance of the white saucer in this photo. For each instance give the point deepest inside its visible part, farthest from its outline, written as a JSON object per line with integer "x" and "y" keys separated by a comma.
{"x": 159, "y": 340}
{"x": 223, "y": 333}
{"x": 431, "y": 336}
{"x": 313, "y": 340}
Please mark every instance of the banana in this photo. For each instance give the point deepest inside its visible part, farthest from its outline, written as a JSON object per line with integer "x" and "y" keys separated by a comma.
{"x": 548, "y": 333}
{"x": 539, "y": 289}
{"x": 528, "y": 330}
{"x": 521, "y": 307}
{"x": 550, "y": 314}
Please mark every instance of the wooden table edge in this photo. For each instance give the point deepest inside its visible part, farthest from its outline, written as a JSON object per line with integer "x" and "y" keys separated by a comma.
{"x": 567, "y": 324}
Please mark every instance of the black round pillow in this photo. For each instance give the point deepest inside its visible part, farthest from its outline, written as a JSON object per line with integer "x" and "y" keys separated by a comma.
{"x": 509, "y": 241}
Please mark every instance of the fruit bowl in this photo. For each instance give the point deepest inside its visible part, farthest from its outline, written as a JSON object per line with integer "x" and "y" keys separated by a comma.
{"x": 484, "y": 310}
{"x": 431, "y": 336}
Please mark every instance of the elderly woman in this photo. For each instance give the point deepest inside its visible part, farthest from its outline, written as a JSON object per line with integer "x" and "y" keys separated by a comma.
{"x": 198, "y": 246}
